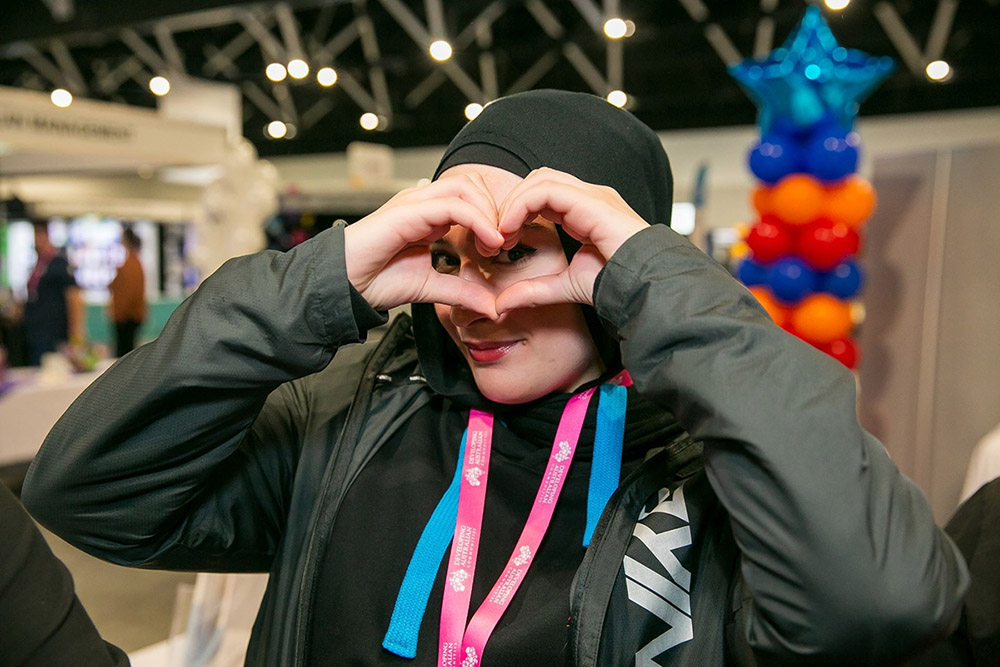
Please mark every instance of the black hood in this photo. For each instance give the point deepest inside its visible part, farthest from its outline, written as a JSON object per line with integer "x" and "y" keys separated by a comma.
{"x": 576, "y": 133}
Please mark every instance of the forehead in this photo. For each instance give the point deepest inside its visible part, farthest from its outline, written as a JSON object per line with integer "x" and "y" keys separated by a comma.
{"x": 499, "y": 182}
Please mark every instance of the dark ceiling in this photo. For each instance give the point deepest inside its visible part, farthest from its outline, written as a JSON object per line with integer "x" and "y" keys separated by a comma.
{"x": 674, "y": 66}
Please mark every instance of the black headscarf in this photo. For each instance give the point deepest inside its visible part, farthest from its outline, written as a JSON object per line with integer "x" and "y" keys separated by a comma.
{"x": 576, "y": 133}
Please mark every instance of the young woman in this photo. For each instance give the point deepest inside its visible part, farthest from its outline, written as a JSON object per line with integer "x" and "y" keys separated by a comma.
{"x": 482, "y": 484}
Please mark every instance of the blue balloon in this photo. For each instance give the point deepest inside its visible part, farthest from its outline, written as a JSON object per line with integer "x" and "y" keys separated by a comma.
{"x": 750, "y": 273}
{"x": 791, "y": 280}
{"x": 845, "y": 280}
{"x": 832, "y": 154}
{"x": 810, "y": 77}
{"x": 774, "y": 157}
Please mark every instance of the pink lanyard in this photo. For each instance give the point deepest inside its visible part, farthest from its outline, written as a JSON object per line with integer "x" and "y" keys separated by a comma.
{"x": 460, "y": 646}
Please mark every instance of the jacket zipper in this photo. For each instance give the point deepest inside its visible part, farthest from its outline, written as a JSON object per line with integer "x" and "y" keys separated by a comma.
{"x": 352, "y": 427}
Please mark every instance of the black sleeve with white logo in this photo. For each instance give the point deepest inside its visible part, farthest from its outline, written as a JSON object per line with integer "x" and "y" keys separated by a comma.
{"x": 670, "y": 602}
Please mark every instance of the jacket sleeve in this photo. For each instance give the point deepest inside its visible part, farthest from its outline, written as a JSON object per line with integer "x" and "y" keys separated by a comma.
{"x": 840, "y": 553}
{"x": 182, "y": 454}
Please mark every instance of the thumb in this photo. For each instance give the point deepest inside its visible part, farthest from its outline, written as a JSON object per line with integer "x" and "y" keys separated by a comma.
{"x": 454, "y": 291}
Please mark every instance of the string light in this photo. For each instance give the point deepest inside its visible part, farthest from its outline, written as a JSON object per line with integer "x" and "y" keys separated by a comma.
{"x": 276, "y": 129}
{"x": 276, "y": 72}
{"x": 938, "y": 70}
{"x": 440, "y": 50}
{"x": 618, "y": 98}
{"x": 61, "y": 97}
{"x": 472, "y": 110}
{"x": 369, "y": 121}
{"x": 298, "y": 68}
{"x": 615, "y": 28}
{"x": 326, "y": 76}
{"x": 159, "y": 85}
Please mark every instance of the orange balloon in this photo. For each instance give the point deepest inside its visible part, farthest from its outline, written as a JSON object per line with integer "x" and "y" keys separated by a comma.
{"x": 850, "y": 202}
{"x": 777, "y": 312}
{"x": 822, "y": 318}
{"x": 761, "y": 199}
{"x": 798, "y": 199}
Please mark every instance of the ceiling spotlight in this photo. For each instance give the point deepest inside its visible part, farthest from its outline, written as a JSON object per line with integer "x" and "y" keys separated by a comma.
{"x": 617, "y": 98}
{"x": 298, "y": 68}
{"x": 837, "y": 5}
{"x": 440, "y": 50}
{"x": 615, "y": 28}
{"x": 369, "y": 121}
{"x": 276, "y": 72}
{"x": 159, "y": 85}
{"x": 61, "y": 97}
{"x": 276, "y": 129}
{"x": 326, "y": 76}
{"x": 472, "y": 110}
{"x": 937, "y": 70}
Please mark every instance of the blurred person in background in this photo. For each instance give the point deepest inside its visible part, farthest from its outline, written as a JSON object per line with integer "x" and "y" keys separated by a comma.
{"x": 54, "y": 311}
{"x": 128, "y": 295}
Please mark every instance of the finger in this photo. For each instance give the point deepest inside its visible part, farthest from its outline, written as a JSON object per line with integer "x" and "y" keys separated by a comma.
{"x": 469, "y": 187}
{"x": 454, "y": 291}
{"x": 541, "y": 175}
{"x": 534, "y": 292}
{"x": 425, "y": 220}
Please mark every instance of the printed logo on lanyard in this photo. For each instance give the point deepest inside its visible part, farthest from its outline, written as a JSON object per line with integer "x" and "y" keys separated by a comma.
{"x": 462, "y": 646}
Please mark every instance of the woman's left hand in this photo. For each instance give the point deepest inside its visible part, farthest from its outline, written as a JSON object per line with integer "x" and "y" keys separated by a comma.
{"x": 594, "y": 215}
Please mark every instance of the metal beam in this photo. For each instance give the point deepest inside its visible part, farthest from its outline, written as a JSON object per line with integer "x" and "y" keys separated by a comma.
{"x": 68, "y": 66}
{"x": 168, "y": 47}
{"x": 487, "y": 63}
{"x": 222, "y": 59}
{"x": 615, "y": 65}
{"x": 110, "y": 80}
{"x": 696, "y": 9}
{"x": 41, "y": 64}
{"x": 424, "y": 89}
{"x": 328, "y": 53}
{"x": 289, "y": 28}
{"x": 376, "y": 74}
{"x": 534, "y": 74}
{"x": 719, "y": 41}
{"x": 262, "y": 101}
{"x": 581, "y": 63}
{"x": 271, "y": 47}
{"x": 591, "y": 14}
{"x": 435, "y": 19}
{"x": 315, "y": 113}
{"x": 763, "y": 37}
{"x": 900, "y": 37}
{"x": 61, "y": 10}
{"x": 545, "y": 18}
{"x": 940, "y": 29}
{"x": 355, "y": 91}
{"x": 144, "y": 51}
{"x": 283, "y": 96}
{"x": 408, "y": 22}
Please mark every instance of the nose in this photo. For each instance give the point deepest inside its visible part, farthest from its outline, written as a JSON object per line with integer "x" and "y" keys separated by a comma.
{"x": 472, "y": 270}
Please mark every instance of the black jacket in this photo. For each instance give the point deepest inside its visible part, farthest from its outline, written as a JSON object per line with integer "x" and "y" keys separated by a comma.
{"x": 229, "y": 442}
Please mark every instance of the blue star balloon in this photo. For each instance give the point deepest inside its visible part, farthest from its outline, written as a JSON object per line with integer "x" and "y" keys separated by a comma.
{"x": 810, "y": 79}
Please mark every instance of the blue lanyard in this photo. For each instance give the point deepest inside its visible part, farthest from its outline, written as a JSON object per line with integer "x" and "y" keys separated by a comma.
{"x": 605, "y": 472}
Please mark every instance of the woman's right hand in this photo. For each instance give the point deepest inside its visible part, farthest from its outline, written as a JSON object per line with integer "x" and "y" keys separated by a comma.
{"x": 387, "y": 252}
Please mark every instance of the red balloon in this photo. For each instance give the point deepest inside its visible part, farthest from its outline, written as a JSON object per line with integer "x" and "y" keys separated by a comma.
{"x": 769, "y": 241}
{"x": 843, "y": 350}
{"x": 825, "y": 244}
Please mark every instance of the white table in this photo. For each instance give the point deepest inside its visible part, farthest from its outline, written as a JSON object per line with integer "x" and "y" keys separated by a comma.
{"x": 30, "y": 410}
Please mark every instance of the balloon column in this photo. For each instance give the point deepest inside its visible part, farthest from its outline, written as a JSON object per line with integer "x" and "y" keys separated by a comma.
{"x": 810, "y": 202}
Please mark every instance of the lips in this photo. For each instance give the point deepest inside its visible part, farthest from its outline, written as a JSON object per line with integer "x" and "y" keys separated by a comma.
{"x": 489, "y": 351}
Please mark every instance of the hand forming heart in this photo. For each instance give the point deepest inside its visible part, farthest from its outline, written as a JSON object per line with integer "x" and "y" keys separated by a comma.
{"x": 388, "y": 257}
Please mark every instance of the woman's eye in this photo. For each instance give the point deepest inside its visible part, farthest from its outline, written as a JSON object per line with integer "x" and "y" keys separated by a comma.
{"x": 443, "y": 262}
{"x": 515, "y": 255}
